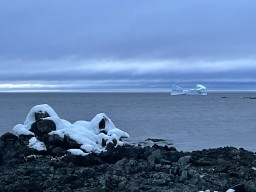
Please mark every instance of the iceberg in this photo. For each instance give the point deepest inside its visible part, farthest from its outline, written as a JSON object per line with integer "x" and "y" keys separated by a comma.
{"x": 177, "y": 90}
{"x": 199, "y": 90}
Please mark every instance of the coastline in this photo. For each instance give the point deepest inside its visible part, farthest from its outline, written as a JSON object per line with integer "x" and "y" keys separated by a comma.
{"x": 125, "y": 168}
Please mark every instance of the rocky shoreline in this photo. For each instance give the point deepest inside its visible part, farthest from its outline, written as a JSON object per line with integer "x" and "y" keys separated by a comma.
{"x": 51, "y": 154}
{"x": 125, "y": 168}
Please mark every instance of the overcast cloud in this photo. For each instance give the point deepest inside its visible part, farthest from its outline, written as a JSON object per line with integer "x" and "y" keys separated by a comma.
{"x": 127, "y": 45}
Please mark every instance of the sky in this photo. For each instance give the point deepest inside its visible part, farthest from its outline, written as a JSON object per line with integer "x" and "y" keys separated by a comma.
{"x": 128, "y": 45}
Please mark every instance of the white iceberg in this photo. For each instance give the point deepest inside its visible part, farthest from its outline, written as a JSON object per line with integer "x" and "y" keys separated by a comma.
{"x": 177, "y": 90}
{"x": 199, "y": 90}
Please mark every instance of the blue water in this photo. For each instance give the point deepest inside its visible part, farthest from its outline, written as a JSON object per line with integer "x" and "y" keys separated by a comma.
{"x": 191, "y": 122}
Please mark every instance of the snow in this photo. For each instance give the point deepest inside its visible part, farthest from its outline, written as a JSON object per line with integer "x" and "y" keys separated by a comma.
{"x": 86, "y": 133}
{"x": 43, "y": 108}
{"x": 35, "y": 144}
{"x": 229, "y": 190}
{"x": 22, "y": 130}
{"x": 119, "y": 133}
{"x": 77, "y": 152}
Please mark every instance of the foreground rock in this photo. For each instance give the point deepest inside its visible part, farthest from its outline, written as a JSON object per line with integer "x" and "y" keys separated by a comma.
{"x": 125, "y": 168}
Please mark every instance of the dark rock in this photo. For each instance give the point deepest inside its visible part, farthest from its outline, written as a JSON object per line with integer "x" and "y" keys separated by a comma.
{"x": 40, "y": 115}
{"x": 70, "y": 143}
{"x": 103, "y": 142}
{"x": 110, "y": 148}
{"x": 102, "y": 124}
{"x": 249, "y": 97}
{"x": 165, "y": 162}
{"x": 24, "y": 139}
{"x": 239, "y": 188}
{"x": 8, "y": 140}
{"x": 42, "y": 127}
{"x": 184, "y": 160}
{"x": 58, "y": 151}
{"x": 184, "y": 175}
{"x": 55, "y": 140}
{"x": 113, "y": 153}
{"x": 122, "y": 168}
{"x": 155, "y": 157}
{"x": 115, "y": 180}
{"x": 88, "y": 160}
{"x": 222, "y": 168}
{"x": 204, "y": 162}
{"x": 133, "y": 166}
{"x": 154, "y": 140}
{"x": 250, "y": 186}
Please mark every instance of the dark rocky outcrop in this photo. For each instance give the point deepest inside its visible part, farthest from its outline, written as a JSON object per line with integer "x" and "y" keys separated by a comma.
{"x": 124, "y": 168}
{"x": 41, "y": 115}
{"x": 43, "y": 127}
{"x": 249, "y": 97}
{"x": 119, "y": 168}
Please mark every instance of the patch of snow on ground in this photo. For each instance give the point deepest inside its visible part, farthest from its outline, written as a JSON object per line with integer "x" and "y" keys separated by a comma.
{"x": 229, "y": 190}
{"x": 37, "y": 145}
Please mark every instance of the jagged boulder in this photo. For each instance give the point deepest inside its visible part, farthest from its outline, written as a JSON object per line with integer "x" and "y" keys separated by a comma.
{"x": 42, "y": 127}
{"x": 24, "y": 139}
{"x": 41, "y": 115}
{"x": 8, "y": 140}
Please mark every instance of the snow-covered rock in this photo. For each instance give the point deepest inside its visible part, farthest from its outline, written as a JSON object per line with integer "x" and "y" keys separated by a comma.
{"x": 77, "y": 152}
{"x": 88, "y": 136}
{"x": 34, "y": 143}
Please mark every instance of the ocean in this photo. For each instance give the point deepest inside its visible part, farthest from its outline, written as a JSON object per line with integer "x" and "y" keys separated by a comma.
{"x": 189, "y": 122}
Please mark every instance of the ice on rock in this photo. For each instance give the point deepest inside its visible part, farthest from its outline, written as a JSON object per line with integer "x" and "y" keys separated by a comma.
{"x": 88, "y": 134}
{"x": 21, "y": 129}
{"x": 229, "y": 190}
{"x": 37, "y": 145}
{"x": 77, "y": 152}
{"x": 39, "y": 108}
{"x": 199, "y": 90}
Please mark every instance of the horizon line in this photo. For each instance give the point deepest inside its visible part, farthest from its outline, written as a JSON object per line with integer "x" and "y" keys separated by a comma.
{"x": 122, "y": 91}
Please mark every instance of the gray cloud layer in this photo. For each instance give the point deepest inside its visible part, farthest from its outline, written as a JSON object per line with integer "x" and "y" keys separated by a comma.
{"x": 153, "y": 43}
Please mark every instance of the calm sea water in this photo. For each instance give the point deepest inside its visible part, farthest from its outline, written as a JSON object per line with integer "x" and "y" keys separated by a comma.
{"x": 191, "y": 122}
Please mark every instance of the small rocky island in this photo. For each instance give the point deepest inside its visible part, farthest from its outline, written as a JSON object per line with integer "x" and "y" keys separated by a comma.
{"x": 49, "y": 154}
